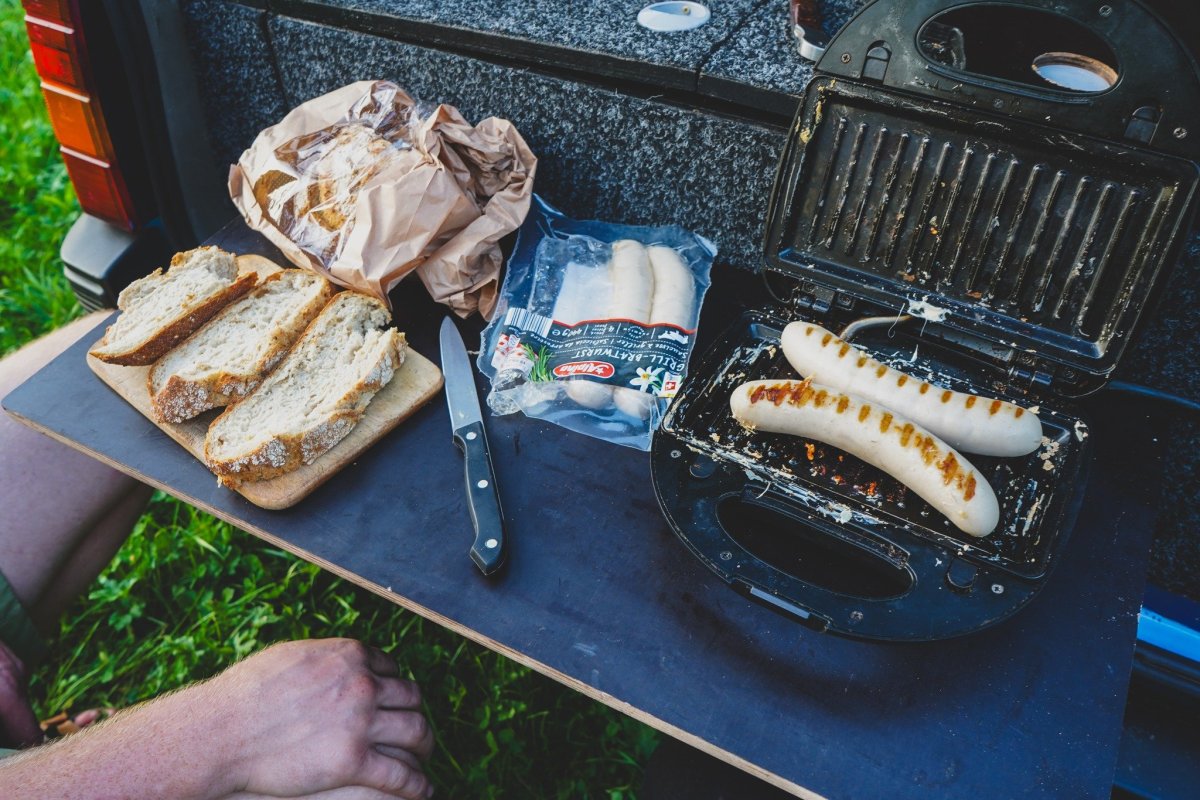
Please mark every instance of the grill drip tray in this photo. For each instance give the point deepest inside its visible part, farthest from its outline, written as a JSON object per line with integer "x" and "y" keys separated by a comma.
{"x": 817, "y": 533}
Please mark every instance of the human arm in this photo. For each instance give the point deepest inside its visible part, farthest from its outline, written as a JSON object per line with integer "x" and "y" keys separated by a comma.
{"x": 328, "y": 718}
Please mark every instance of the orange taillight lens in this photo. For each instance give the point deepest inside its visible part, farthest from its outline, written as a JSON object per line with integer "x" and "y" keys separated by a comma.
{"x": 77, "y": 122}
{"x": 100, "y": 188}
{"x": 61, "y": 57}
{"x": 59, "y": 11}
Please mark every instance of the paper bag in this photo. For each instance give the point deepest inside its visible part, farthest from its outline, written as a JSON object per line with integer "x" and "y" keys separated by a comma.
{"x": 365, "y": 185}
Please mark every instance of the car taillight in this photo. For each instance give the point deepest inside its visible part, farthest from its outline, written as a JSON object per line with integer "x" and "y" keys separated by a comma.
{"x": 61, "y": 57}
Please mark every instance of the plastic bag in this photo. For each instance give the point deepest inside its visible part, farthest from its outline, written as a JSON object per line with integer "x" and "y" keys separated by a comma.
{"x": 595, "y": 324}
{"x": 366, "y": 184}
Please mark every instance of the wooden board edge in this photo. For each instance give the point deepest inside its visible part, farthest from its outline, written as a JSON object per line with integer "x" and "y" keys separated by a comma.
{"x": 288, "y": 500}
{"x": 254, "y": 492}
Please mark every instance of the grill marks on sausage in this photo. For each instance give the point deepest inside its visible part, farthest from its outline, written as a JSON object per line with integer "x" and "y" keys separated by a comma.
{"x": 971, "y": 400}
{"x": 826, "y": 339}
{"x": 845, "y": 348}
{"x": 924, "y": 387}
{"x": 994, "y": 407}
{"x": 801, "y": 393}
{"x": 946, "y": 395}
{"x": 796, "y": 393}
{"x": 903, "y": 379}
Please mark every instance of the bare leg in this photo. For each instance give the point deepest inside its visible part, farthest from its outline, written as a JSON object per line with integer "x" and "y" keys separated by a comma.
{"x": 62, "y": 514}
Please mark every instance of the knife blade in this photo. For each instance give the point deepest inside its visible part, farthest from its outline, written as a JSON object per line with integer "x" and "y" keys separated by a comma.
{"x": 466, "y": 422}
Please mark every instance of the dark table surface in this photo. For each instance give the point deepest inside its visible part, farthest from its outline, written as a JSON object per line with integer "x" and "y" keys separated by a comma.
{"x": 600, "y": 595}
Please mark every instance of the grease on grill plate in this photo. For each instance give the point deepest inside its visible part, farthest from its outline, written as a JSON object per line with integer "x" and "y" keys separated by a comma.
{"x": 839, "y": 487}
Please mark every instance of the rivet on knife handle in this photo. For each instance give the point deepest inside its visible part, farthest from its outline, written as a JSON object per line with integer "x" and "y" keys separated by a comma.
{"x": 482, "y": 500}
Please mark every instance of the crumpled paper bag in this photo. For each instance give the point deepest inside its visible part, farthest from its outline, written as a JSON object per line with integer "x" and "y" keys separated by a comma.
{"x": 365, "y": 184}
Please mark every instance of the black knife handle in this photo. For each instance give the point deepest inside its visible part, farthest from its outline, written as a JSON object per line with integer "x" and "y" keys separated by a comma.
{"x": 482, "y": 499}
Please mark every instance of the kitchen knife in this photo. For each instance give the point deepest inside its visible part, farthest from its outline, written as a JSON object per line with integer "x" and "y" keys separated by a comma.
{"x": 466, "y": 421}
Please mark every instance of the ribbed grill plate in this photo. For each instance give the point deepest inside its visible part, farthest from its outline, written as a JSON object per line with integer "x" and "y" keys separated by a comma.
{"x": 1027, "y": 232}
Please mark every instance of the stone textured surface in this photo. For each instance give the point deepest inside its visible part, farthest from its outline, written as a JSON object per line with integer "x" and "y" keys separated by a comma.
{"x": 238, "y": 86}
{"x": 601, "y": 154}
{"x": 762, "y": 56}
{"x": 607, "y": 29}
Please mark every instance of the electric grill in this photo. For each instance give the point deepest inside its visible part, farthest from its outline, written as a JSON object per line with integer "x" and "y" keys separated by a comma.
{"x": 1015, "y": 175}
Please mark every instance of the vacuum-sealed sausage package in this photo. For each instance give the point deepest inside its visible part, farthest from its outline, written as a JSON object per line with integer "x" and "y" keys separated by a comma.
{"x": 595, "y": 323}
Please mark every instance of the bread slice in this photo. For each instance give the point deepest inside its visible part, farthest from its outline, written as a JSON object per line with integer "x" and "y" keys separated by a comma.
{"x": 313, "y": 399}
{"x": 162, "y": 309}
{"x": 227, "y": 358}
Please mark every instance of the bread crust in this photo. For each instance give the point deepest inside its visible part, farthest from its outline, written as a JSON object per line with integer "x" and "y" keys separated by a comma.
{"x": 181, "y": 399}
{"x": 287, "y": 452}
{"x": 174, "y": 333}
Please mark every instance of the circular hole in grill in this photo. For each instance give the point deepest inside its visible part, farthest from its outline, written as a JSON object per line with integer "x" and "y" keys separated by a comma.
{"x": 1039, "y": 48}
{"x": 1074, "y": 71}
{"x": 804, "y": 552}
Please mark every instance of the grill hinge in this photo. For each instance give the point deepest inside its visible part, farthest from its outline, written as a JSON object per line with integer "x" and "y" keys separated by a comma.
{"x": 876, "y": 64}
{"x": 813, "y": 298}
{"x": 1143, "y": 124}
{"x": 1028, "y": 378}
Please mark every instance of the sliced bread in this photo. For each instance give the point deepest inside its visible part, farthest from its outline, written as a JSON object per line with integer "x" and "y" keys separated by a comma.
{"x": 313, "y": 398}
{"x": 162, "y": 309}
{"x": 227, "y": 358}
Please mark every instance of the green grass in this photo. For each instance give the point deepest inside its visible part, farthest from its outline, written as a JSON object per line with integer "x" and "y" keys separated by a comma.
{"x": 187, "y": 594}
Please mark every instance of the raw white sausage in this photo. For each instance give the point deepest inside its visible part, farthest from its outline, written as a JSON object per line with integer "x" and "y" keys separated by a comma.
{"x": 965, "y": 421}
{"x": 673, "y": 301}
{"x": 674, "y": 288}
{"x": 632, "y": 299}
{"x": 912, "y": 455}
{"x": 632, "y": 282}
{"x": 579, "y": 299}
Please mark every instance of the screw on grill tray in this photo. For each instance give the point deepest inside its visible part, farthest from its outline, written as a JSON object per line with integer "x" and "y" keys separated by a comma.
{"x": 997, "y": 589}
{"x": 1105, "y": 10}
{"x": 855, "y": 617}
{"x": 676, "y": 454}
{"x": 845, "y": 58}
{"x": 726, "y": 555}
{"x": 1180, "y": 133}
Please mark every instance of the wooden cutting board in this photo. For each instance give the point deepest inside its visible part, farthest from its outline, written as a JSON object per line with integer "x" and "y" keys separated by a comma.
{"x": 416, "y": 382}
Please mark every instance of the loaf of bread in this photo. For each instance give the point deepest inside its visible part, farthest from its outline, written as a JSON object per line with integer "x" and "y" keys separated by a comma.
{"x": 162, "y": 309}
{"x": 229, "y": 357}
{"x": 313, "y": 398}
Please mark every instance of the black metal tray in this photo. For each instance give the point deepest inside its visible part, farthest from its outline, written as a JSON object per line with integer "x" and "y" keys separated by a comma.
{"x": 884, "y": 564}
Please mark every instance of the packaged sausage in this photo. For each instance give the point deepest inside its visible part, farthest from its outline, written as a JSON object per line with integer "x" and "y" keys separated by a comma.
{"x": 595, "y": 323}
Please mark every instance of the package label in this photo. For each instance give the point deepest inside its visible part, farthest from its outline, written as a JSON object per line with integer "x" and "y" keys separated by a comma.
{"x": 648, "y": 358}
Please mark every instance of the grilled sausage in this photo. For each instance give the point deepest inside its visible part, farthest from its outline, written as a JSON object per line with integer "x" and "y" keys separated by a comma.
{"x": 907, "y": 452}
{"x": 965, "y": 421}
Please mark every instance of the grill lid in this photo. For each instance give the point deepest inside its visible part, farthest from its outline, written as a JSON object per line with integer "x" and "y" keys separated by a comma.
{"x": 1033, "y": 218}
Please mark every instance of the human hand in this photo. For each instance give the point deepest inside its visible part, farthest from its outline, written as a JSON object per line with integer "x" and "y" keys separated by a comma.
{"x": 326, "y": 718}
{"x": 18, "y": 724}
